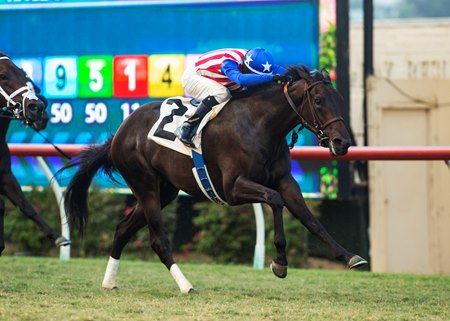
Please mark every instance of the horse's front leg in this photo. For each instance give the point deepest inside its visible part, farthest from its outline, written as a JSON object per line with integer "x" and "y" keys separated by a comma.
{"x": 11, "y": 189}
{"x": 2, "y": 227}
{"x": 293, "y": 198}
{"x": 246, "y": 191}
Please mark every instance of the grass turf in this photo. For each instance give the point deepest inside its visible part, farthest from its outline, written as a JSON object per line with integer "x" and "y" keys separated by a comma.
{"x": 38, "y": 288}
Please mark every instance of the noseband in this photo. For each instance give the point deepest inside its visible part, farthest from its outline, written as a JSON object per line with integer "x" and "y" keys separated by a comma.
{"x": 17, "y": 109}
{"x": 316, "y": 127}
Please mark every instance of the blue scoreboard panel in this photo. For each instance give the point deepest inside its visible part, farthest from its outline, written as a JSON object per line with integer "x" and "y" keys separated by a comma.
{"x": 97, "y": 61}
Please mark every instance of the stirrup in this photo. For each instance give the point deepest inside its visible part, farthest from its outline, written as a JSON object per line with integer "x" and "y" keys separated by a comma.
{"x": 187, "y": 142}
{"x": 183, "y": 135}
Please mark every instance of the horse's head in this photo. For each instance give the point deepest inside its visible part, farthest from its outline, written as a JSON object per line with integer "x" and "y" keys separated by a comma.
{"x": 320, "y": 108}
{"x": 18, "y": 97}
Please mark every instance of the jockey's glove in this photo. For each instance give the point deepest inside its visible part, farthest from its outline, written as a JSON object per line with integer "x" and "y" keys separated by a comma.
{"x": 281, "y": 79}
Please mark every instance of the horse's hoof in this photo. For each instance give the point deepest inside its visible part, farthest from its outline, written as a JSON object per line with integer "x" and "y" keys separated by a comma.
{"x": 62, "y": 241}
{"x": 114, "y": 288}
{"x": 109, "y": 287}
{"x": 356, "y": 261}
{"x": 278, "y": 269}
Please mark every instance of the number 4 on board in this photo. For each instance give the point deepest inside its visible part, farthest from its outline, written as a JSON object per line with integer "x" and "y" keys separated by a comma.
{"x": 165, "y": 75}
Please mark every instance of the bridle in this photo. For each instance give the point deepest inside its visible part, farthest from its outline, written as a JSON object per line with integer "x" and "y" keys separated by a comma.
{"x": 316, "y": 127}
{"x": 17, "y": 109}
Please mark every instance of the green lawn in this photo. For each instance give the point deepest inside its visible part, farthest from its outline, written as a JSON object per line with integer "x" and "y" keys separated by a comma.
{"x": 42, "y": 289}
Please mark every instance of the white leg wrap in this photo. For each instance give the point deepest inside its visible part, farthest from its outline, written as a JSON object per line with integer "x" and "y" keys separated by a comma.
{"x": 109, "y": 281}
{"x": 184, "y": 285}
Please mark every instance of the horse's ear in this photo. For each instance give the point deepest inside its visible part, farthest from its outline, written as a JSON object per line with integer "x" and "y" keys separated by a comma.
{"x": 326, "y": 75}
{"x": 315, "y": 73}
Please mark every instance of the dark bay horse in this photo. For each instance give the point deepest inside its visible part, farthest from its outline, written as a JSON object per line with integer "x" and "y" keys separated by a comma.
{"x": 247, "y": 157}
{"x": 19, "y": 101}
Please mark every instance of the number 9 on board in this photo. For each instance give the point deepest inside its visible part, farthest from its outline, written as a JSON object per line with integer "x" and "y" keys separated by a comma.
{"x": 60, "y": 77}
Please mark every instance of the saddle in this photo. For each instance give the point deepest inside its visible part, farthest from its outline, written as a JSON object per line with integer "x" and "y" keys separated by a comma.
{"x": 173, "y": 112}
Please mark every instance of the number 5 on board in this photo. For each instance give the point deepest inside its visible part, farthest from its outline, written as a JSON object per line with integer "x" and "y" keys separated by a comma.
{"x": 95, "y": 76}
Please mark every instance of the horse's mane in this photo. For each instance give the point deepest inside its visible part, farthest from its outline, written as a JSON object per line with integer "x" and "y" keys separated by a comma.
{"x": 310, "y": 75}
{"x": 297, "y": 72}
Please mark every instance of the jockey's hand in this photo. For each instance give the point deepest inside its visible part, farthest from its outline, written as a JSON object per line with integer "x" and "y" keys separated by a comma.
{"x": 282, "y": 79}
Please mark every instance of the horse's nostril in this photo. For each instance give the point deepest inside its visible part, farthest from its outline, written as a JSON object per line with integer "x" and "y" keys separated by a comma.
{"x": 35, "y": 106}
{"x": 342, "y": 143}
{"x": 337, "y": 142}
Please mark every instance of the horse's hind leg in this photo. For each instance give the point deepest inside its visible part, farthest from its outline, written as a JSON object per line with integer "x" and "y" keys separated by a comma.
{"x": 160, "y": 243}
{"x": 132, "y": 223}
{"x": 127, "y": 227}
{"x": 2, "y": 228}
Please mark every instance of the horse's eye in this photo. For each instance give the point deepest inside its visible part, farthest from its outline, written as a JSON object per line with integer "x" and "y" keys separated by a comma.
{"x": 317, "y": 100}
{"x": 3, "y": 77}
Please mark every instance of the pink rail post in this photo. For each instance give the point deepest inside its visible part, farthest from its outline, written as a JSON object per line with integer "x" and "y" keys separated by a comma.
{"x": 375, "y": 153}
{"x": 44, "y": 149}
{"x": 300, "y": 153}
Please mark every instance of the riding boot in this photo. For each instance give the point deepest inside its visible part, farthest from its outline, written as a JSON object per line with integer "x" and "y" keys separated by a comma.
{"x": 186, "y": 132}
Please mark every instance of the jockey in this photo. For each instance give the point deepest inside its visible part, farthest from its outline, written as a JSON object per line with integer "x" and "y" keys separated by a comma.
{"x": 216, "y": 74}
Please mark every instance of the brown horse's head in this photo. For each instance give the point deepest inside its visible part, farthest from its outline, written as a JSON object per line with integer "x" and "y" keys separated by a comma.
{"x": 320, "y": 110}
{"x": 18, "y": 96}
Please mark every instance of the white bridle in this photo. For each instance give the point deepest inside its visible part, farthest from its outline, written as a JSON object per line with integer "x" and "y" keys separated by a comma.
{"x": 27, "y": 92}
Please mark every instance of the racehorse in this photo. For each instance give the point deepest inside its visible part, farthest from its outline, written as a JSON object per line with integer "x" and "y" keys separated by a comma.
{"x": 19, "y": 101}
{"x": 247, "y": 156}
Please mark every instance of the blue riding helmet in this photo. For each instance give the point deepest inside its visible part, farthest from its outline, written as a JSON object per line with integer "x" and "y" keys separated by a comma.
{"x": 259, "y": 61}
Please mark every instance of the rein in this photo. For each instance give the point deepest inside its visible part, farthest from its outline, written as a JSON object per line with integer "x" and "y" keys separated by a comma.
{"x": 317, "y": 127}
{"x": 63, "y": 154}
{"x": 54, "y": 146}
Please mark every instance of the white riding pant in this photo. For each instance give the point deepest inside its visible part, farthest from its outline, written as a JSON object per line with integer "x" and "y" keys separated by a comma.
{"x": 201, "y": 87}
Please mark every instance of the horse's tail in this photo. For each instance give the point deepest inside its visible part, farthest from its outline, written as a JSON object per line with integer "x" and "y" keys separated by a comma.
{"x": 90, "y": 161}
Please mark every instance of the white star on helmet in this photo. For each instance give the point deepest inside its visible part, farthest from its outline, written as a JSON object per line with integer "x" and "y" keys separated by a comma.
{"x": 248, "y": 59}
{"x": 266, "y": 66}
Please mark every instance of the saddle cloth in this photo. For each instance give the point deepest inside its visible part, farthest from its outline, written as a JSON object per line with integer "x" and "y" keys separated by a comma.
{"x": 174, "y": 111}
